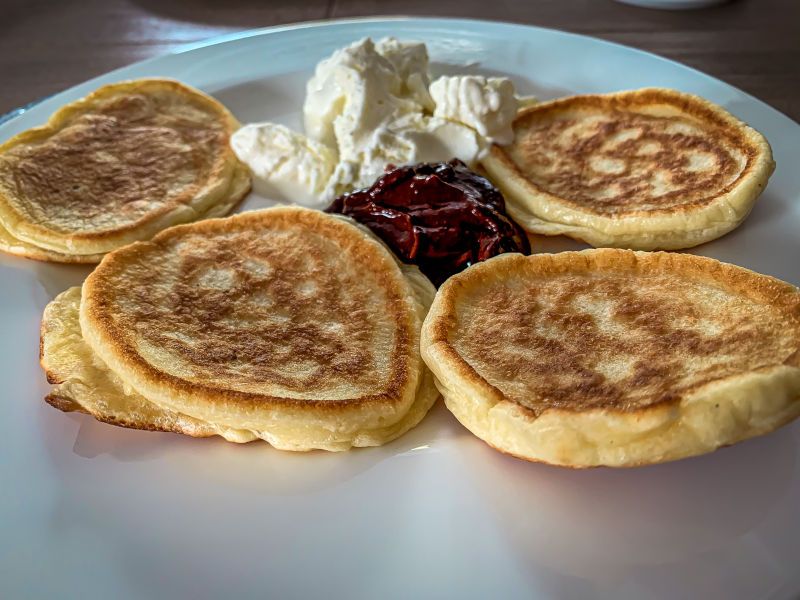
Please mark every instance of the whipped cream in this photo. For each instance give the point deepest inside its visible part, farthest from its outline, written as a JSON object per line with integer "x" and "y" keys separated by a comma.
{"x": 353, "y": 92}
{"x": 409, "y": 139}
{"x": 410, "y": 61}
{"x": 487, "y": 104}
{"x": 285, "y": 164}
{"x": 371, "y": 101}
{"x": 370, "y": 105}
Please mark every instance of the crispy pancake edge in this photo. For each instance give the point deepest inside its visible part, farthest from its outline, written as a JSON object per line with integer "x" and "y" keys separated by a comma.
{"x": 541, "y": 212}
{"x": 163, "y": 388}
{"x": 712, "y": 415}
{"x": 152, "y": 222}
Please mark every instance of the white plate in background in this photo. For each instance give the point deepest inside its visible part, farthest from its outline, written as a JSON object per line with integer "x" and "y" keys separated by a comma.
{"x": 93, "y": 511}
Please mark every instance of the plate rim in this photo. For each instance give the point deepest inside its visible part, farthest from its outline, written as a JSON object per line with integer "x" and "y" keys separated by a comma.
{"x": 468, "y": 23}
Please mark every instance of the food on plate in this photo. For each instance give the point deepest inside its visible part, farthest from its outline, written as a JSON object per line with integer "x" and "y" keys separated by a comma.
{"x": 613, "y": 357}
{"x": 441, "y": 217}
{"x": 487, "y": 104}
{"x": 303, "y": 329}
{"x": 287, "y": 324}
{"x": 370, "y": 105}
{"x": 646, "y": 169}
{"x": 284, "y": 163}
{"x": 358, "y": 87}
{"x": 119, "y": 165}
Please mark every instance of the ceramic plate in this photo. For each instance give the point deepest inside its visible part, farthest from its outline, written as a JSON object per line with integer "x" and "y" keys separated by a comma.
{"x": 93, "y": 511}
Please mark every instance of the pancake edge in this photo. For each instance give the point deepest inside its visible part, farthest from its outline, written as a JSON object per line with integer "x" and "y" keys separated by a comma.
{"x": 239, "y": 188}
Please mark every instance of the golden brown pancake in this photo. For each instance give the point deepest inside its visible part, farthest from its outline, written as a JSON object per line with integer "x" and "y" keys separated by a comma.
{"x": 646, "y": 169}
{"x": 612, "y": 357}
{"x": 127, "y": 161}
{"x": 288, "y": 324}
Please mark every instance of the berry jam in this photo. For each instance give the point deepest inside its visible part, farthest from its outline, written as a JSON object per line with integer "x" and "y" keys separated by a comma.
{"x": 442, "y": 217}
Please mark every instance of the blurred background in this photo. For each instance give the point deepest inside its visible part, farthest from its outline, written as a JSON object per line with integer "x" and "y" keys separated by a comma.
{"x": 46, "y": 46}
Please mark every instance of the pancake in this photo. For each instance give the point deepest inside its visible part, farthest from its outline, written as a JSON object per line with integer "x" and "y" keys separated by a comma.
{"x": 647, "y": 169}
{"x": 117, "y": 166}
{"x": 613, "y": 357}
{"x": 287, "y": 324}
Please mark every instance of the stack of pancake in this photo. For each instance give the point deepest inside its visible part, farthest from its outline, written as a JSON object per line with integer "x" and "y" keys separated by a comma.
{"x": 287, "y": 324}
{"x": 117, "y": 166}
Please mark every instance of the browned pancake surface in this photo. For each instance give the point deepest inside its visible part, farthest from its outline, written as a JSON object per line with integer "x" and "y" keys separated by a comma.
{"x": 551, "y": 333}
{"x": 646, "y": 151}
{"x": 129, "y": 154}
{"x": 284, "y": 335}
{"x": 277, "y": 305}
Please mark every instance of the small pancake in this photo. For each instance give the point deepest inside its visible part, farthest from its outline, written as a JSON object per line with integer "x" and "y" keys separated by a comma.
{"x": 612, "y": 357}
{"x": 117, "y": 166}
{"x": 647, "y": 169}
{"x": 287, "y": 324}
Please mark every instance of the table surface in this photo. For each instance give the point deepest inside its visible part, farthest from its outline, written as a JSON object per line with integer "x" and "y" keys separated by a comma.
{"x": 46, "y": 46}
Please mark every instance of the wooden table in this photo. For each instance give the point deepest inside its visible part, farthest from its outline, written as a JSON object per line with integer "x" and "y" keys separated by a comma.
{"x": 48, "y": 46}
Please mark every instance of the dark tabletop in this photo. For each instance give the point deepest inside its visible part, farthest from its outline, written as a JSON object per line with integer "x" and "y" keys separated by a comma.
{"x": 46, "y": 46}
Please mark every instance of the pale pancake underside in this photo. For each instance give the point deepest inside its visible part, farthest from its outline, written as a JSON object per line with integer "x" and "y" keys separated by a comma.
{"x": 610, "y": 357}
{"x": 646, "y": 169}
{"x": 315, "y": 420}
{"x": 127, "y": 161}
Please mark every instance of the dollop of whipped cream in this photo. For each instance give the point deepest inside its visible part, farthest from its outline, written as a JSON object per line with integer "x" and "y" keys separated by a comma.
{"x": 370, "y": 105}
{"x": 487, "y": 104}
{"x": 284, "y": 163}
{"x": 410, "y": 61}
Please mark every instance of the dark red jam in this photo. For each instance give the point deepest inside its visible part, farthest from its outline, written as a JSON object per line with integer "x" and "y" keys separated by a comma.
{"x": 442, "y": 217}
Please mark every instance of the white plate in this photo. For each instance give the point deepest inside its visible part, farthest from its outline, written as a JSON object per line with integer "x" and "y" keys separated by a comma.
{"x": 93, "y": 511}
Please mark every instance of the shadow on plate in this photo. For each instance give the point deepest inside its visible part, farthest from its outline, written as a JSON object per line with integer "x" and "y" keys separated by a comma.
{"x": 605, "y": 525}
{"x": 749, "y": 244}
{"x": 232, "y": 465}
{"x": 55, "y": 278}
